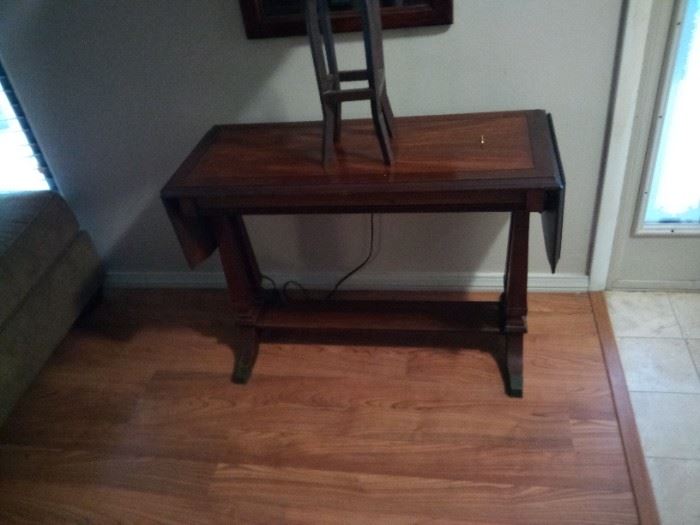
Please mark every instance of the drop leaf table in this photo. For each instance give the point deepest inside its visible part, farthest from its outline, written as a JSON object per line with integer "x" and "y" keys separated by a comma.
{"x": 485, "y": 162}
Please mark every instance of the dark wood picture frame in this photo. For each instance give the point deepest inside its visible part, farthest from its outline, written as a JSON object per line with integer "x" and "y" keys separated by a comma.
{"x": 259, "y": 24}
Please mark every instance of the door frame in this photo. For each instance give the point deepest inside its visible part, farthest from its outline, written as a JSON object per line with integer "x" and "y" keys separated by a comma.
{"x": 639, "y": 28}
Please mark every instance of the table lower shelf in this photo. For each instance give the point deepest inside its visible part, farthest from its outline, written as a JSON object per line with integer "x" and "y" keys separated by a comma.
{"x": 382, "y": 316}
{"x": 477, "y": 325}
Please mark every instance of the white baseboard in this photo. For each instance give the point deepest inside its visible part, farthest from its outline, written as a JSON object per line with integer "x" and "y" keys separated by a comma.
{"x": 632, "y": 284}
{"x": 456, "y": 281}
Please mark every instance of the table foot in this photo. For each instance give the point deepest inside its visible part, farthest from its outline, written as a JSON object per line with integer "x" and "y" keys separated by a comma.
{"x": 514, "y": 365}
{"x": 246, "y": 352}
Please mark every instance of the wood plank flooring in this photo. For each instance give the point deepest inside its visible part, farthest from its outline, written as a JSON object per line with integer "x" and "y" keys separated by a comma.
{"x": 134, "y": 419}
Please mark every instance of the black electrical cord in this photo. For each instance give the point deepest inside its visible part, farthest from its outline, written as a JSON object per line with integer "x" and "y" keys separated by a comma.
{"x": 283, "y": 291}
{"x": 298, "y": 285}
{"x": 271, "y": 280}
{"x": 329, "y": 295}
{"x": 359, "y": 266}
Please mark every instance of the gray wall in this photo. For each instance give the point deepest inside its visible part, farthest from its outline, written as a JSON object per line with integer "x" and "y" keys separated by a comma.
{"x": 119, "y": 93}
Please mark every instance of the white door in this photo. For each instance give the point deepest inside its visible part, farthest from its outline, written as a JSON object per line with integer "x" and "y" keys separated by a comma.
{"x": 657, "y": 235}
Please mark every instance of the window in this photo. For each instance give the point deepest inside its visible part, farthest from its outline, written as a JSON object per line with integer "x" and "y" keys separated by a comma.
{"x": 671, "y": 196}
{"x": 22, "y": 166}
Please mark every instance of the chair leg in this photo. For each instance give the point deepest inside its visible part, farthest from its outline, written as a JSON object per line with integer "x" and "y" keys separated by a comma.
{"x": 380, "y": 127}
{"x": 338, "y": 122}
{"x": 388, "y": 114}
{"x": 329, "y": 126}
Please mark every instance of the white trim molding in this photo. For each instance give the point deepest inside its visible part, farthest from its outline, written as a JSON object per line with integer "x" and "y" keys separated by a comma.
{"x": 636, "y": 24}
{"x": 440, "y": 281}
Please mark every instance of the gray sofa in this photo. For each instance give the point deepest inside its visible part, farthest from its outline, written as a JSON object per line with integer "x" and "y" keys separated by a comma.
{"x": 49, "y": 270}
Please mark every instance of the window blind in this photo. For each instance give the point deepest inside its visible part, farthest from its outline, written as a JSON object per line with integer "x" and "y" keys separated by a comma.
{"x": 22, "y": 164}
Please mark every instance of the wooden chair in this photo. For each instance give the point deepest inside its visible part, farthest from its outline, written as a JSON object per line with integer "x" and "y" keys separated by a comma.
{"x": 329, "y": 78}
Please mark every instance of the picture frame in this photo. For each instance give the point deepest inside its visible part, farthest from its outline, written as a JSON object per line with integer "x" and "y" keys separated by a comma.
{"x": 279, "y": 18}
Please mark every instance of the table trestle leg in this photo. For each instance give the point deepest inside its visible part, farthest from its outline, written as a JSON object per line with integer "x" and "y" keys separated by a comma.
{"x": 244, "y": 285}
{"x": 514, "y": 300}
{"x": 246, "y": 352}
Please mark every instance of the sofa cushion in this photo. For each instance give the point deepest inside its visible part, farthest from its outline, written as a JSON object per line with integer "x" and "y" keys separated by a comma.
{"x": 35, "y": 228}
{"x": 42, "y": 319}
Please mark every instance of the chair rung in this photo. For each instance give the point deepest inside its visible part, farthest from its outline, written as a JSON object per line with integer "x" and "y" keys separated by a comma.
{"x": 346, "y": 95}
{"x": 353, "y": 75}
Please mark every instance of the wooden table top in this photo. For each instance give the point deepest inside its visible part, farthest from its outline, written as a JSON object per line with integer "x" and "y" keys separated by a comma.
{"x": 433, "y": 153}
{"x": 474, "y": 162}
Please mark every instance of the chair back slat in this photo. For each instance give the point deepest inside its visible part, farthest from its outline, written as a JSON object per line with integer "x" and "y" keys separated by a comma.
{"x": 329, "y": 77}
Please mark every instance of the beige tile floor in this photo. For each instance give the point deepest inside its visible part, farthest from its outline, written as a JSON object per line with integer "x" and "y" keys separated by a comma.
{"x": 658, "y": 335}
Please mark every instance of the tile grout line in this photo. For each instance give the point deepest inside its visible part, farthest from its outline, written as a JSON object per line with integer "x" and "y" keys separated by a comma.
{"x": 664, "y": 392}
{"x": 681, "y": 338}
{"x": 692, "y": 358}
{"x": 672, "y": 457}
{"x": 683, "y": 335}
{"x": 675, "y": 316}
{"x": 649, "y": 337}
{"x": 685, "y": 339}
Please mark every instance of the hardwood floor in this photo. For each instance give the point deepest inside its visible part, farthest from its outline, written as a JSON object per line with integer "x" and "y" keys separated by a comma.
{"x": 134, "y": 419}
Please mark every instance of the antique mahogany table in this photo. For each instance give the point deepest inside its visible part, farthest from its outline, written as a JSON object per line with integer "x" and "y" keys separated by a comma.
{"x": 500, "y": 162}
